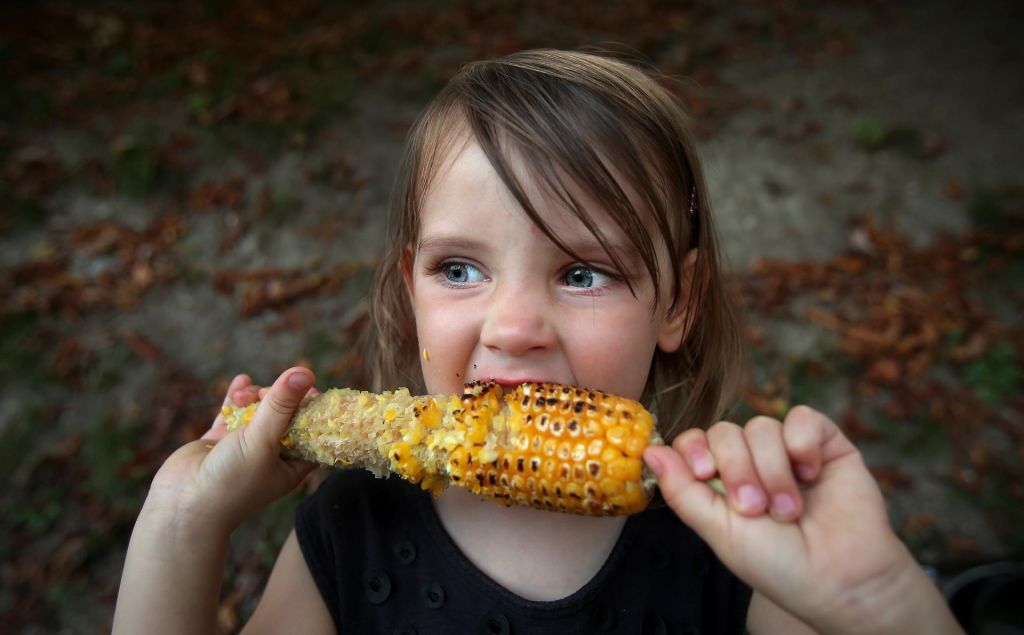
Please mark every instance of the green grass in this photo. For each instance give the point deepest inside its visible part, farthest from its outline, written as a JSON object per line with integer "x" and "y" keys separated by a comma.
{"x": 23, "y": 351}
{"x": 107, "y": 446}
{"x": 996, "y": 375}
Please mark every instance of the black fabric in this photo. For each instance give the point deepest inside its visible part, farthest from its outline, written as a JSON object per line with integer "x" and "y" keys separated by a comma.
{"x": 384, "y": 564}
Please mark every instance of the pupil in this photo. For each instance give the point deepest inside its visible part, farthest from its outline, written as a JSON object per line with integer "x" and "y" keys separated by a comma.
{"x": 457, "y": 273}
{"x": 581, "y": 277}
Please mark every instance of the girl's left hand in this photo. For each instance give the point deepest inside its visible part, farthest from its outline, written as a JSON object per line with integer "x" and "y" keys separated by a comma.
{"x": 803, "y": 521}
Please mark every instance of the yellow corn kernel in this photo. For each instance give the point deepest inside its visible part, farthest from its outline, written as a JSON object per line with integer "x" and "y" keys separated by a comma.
{"x": 544, "y": 445}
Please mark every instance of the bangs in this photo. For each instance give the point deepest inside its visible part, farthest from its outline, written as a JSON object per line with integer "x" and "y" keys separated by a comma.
{"x": 564, "y": 134}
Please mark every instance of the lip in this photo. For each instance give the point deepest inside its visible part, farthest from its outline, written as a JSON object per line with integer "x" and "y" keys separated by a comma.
{"x": 513, "y": 382}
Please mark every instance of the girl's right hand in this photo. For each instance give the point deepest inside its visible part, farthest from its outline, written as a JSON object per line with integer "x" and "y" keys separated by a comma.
{"x": 221, "y": 479}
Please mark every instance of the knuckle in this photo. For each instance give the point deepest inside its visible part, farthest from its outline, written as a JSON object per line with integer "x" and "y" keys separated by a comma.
{"x": 689, "y": 439}
{"x": 723, "y": 430}
{"x": 804, "y": 413}
{"x": 761, "y": 424}
{"x": 280, "y": 406}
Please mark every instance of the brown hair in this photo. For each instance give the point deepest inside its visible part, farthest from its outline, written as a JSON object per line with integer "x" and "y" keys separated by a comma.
{"x": 578, "y": 116}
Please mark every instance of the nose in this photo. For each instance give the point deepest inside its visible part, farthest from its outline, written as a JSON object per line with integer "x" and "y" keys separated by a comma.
{"x": 518, "y": 321}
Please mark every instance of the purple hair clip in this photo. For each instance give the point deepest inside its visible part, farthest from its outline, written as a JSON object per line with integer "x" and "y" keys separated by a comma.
{"x": 693, "y": 200}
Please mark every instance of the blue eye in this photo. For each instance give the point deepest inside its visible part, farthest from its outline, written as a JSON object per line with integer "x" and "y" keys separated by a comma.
{"x": 585, "y": 277}
{"x": 460, "y": 273}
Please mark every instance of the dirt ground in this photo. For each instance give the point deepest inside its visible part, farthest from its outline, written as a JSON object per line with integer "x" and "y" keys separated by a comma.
{"x": 191, "y": 192}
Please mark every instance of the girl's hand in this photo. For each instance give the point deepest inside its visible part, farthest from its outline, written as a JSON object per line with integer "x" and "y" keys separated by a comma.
{"x": 224, "y": 477}
{"x": 803, "y": 521}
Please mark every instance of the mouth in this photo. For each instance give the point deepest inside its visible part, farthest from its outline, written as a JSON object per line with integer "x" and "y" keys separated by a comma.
{"x": 511, "y": 383}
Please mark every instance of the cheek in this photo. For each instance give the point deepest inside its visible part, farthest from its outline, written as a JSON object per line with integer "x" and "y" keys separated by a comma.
{"x": 448, "y": 339}
{"x": 615, "y": 357}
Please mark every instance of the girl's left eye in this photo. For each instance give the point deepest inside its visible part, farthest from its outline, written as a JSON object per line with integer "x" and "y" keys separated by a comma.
{"x": 585, "y": 277}
{"x": 455, "y": 272}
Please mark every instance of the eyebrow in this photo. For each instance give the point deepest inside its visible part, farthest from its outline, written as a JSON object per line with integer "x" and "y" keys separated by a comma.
{"x": 587, "y": 249}
{"x": 445, "y": 242}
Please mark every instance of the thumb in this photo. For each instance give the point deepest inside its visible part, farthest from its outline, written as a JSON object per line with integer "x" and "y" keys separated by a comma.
{"x": 277, "y": 408}
{"x": 691, "y": 499}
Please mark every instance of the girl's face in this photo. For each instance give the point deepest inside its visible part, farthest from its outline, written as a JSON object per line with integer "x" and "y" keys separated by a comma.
{"x": 493, "y": 298}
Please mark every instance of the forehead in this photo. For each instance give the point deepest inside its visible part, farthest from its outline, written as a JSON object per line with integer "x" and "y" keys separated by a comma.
{"x": 467, "y": 185}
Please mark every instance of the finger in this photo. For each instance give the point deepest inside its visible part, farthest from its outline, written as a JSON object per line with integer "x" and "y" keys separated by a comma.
{"x": 812, "y": 439}
{"x": 736, "y": 468}
{"x": 692, "y": 500}
{"x": 245, "y": 396}
{"x": 218, "y": 429}
{"x": 276, "y": 409}
{"x": 764, "y": 438}
{"x": 693, "y": 445}
{"x": 239, "y": 382}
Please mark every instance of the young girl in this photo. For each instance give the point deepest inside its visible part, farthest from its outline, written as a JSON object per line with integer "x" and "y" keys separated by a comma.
{"x": 551, "y": 225}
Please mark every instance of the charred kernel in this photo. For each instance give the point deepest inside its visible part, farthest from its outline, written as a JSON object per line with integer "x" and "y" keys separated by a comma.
{"x": 538, "y": 443}
{"x": 556, "y": 427}
{"x": 535, "y": 464}
{"x": 573, "y": 427}
{"x": 542, "y": 423}
{"x": 564, "y": 471}
{"x": 520, "y": 464}
{"x": 578, "y": 406}
{"x": 458, "y": 456}
{"x": 594, "y": 469}
{"x": 579, "y": 473}
{"x": 574, "y": 490}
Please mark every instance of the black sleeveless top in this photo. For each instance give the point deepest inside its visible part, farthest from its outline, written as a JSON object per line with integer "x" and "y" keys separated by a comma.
{"x": 384, "y": 564}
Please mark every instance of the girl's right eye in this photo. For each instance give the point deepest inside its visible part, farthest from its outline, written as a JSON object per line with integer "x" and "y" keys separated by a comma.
{"x": 460, "y": 273}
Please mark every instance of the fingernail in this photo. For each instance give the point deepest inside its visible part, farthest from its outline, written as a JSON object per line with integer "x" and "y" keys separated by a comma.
{"x": 299, "y": 381}
{"x": 751, "y": 498}
{"x": 702, "y": 465}
{"x": 805, "y": 472}
{"x": 783, "y": 506}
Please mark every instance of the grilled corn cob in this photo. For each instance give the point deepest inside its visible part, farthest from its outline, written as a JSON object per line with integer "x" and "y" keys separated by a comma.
{"x": 546, "y": 446}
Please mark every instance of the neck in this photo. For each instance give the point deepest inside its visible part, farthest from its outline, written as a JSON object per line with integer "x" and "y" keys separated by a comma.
{"x": 536, "y": 554}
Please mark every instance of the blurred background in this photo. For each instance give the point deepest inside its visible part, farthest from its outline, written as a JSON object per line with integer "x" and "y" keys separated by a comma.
{"x": 189, "y": 190}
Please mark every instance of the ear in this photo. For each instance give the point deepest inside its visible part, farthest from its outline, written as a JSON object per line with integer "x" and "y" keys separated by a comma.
{"x": 407, "y": 261}
{"x": 676, "y": 326}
